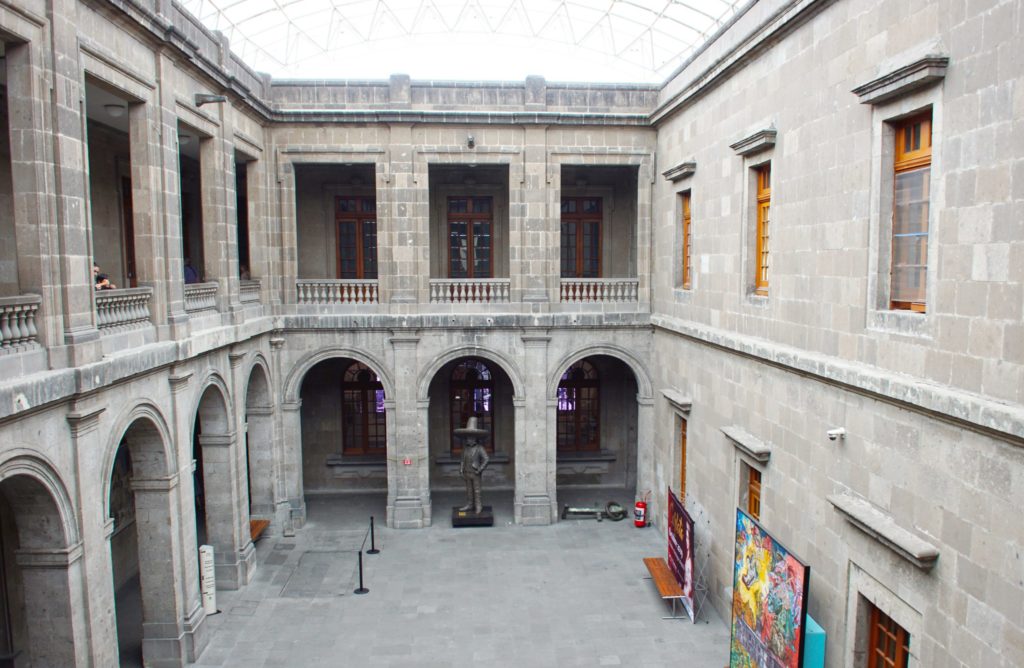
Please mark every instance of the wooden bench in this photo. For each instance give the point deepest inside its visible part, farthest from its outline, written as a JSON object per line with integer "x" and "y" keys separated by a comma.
{"x": 665, "y": 581}
{"x": 257, "y": 527}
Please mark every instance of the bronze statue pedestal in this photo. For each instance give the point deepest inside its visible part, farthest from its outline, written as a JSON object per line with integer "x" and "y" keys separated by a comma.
{"x": 467, "y": 518}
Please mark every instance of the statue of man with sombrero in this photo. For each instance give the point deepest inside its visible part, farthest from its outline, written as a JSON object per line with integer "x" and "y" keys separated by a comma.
{"x": 474, "y": 461}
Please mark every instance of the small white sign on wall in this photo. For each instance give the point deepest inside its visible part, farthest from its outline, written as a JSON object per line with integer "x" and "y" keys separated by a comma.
{"x": 207, "y": 579}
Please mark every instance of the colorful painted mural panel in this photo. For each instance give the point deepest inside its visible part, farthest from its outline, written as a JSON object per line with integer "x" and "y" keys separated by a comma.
{"x": 769, "y": 600}
{"x": 680, "y": 549}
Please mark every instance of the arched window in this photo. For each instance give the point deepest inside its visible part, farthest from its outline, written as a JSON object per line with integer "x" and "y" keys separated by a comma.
{"x": 472, "y": 392}
{"x": 579, "y": 409}
{"x": 364, "y": 425}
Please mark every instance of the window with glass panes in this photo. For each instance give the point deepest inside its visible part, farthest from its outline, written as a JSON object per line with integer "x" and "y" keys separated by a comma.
{"x": 472, "y": 394}
{"x": 912, "y": 186}
{"x": 364, "y": 423}
{"x": 764, "y": 210}
{"x": 579, "y": 409}
{"x": 470, "y": 221}
{"x": 581, "y": 237}
{"x": 356, "y": 219}
{"x": 686, "y": 268}
{"x": 754, "y": 493}
{"x": 889, "y": 643}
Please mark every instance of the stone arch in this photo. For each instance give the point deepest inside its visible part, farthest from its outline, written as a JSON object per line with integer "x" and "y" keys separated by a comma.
{"x": 23, "y": 462}
{"x": 506, "y": 363}
{"x": 156, "y": 459}
{"x": 265, "y": 393}
{"x": 219, "y": 415}
{"x": 293, "y": 383}
{"x": 41, "y": 557}
{"x": 258, "y": 440}
{"x": 147, "y": 485}
{"x": 643, "y": 377}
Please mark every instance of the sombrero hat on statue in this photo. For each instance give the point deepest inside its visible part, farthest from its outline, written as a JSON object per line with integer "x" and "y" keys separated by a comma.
{"x": 472, "y": 429}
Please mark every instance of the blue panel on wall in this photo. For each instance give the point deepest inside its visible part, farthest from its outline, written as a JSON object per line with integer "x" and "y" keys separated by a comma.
{"x": 814, "y": 645}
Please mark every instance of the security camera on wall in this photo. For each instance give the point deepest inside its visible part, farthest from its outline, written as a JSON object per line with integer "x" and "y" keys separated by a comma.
{"x": 836, "y": 434}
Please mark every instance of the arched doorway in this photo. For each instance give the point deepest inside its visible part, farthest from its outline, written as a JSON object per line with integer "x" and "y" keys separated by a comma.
{"x": 344, "y": 442}
{"x": 596, "y": 426}
{"x": 35, "y": 563}
{"x": 472, "y": 387}
{"x": 259, "y": 452}
{"x": 221, "y": 518}
{"x": 144, "y": 552}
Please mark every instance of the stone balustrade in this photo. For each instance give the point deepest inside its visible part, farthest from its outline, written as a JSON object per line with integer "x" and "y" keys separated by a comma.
{"x": 200, "y": 297}
{"x": 249, "y": 290}
{"x": 18, "y": 323}
{"x": 336, "y": 291}
{"x": 469, "y": 290}
{"x": 121, "y": 310}
{"x": 600, "y": 289}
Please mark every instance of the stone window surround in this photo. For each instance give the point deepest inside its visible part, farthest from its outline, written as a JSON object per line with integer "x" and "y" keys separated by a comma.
{"x": 750, "y": 453}
{"x": 884, "y": 114}
{"x": 756, "y": 150}
{"x": 680, "y": 405}
{"x": 863, "y": 591}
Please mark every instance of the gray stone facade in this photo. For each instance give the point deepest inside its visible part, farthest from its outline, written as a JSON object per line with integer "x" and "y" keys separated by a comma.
{"x": 136, "y": 423}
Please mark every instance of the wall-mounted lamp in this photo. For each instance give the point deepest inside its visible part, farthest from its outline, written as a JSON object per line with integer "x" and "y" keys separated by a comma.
{"x": 115, "y": 110}
{"x": 470, "y": 141}
{"x": 208, "y": 98}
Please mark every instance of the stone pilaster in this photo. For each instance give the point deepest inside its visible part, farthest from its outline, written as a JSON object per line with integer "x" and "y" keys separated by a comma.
{"x": 408, "y": 449}
{"x": 220, "y": 215}
{"x": 100, "y": 632}
{"x": 408, "y": 219}
{"x": 55, "y": 615}
{"x": 534, "y": 259}
{"x": 224, "y": 509}
{"x": 535, "y": 499}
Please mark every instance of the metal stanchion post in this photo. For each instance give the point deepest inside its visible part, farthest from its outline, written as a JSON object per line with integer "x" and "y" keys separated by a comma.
{"x": 373, "y": 548}
{"x": 362, "y": 589}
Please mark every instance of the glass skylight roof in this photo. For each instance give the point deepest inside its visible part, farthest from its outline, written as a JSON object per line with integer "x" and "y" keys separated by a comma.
{"x": 640, "y": 41}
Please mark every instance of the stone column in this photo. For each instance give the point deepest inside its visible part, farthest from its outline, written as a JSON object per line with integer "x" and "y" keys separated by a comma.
{"x": 283, "y": 502}
{"x": 72, "y": 274}
{"x": 535, "y": 501}
{"x": 95, "y": 531}
{"x": 264, "y": 253}
{"x": 184, "y": 500}
{"x": 288, "y": 240}
{"x": 646, "y": 478}
{"x": 291, "y": 464}
{"x": 220, "y": 215}
{"x": 168, "y": 205}
{"x": 223, "y": 510}
{"x": 173, "y": 631}
{"x": 537, "y": 244}
{"x": 246, "y": 554}
{"x": 408, "y": 220}
{"x": 55, "y": 613}
{"x": 644, "y": 232}
{"x": 31, "y": 181}
{"x": 408, "y": 448}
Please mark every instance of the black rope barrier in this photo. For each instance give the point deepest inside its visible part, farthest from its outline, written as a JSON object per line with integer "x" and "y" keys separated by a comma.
{"x": 373, "y": 550}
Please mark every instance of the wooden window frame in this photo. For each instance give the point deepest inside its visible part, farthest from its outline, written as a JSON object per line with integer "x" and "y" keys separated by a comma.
{"x": 754, "y": 484}
{"x": 908, "y": 160}
{"x": 578, "y": 220}
{"x": 470, "y": 219}
{"x": 456, "y": 403}
{"x": 590, "y": 380}
{"x": 763, "y": 202}
{"x": 361, "y": 220}
{"x": 364, "y": 389}
{"x": 682, "y": 459}
{"x": 687, "y": 233}
{"x": 888, "y": 642}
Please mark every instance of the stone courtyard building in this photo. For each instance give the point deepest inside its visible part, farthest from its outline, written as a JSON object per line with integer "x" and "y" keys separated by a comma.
{"x": 815, "y": 224}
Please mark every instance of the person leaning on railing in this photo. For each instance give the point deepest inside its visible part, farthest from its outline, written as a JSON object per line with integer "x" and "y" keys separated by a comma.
{"x": 100, "y": 280}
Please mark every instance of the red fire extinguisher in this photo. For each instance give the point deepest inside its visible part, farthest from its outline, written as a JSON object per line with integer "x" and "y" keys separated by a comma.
{"x": 640, "y": 512}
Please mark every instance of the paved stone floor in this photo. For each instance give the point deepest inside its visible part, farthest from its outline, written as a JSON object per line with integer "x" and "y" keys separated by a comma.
{"x": 571, "y": 594}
